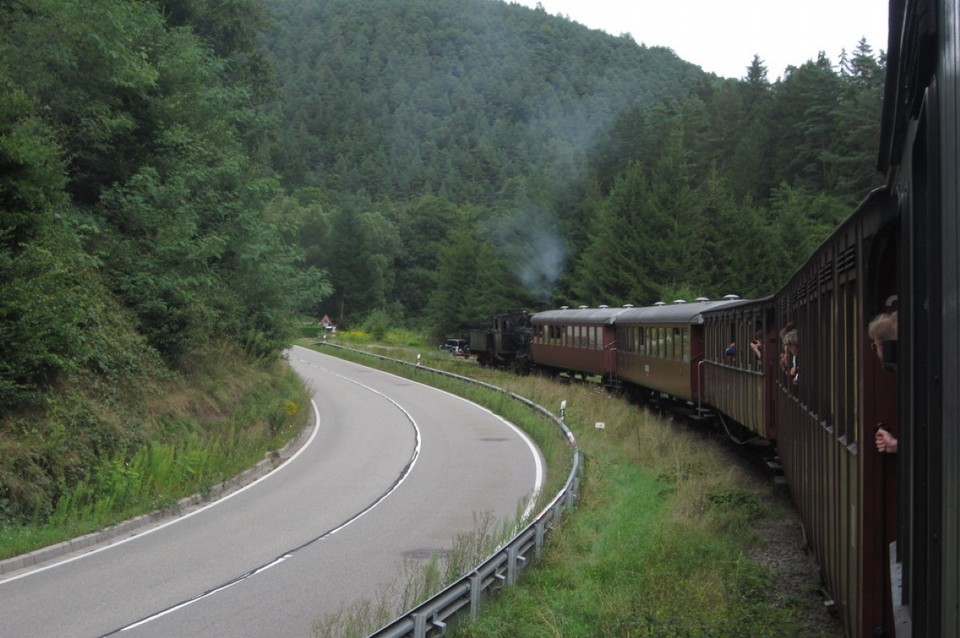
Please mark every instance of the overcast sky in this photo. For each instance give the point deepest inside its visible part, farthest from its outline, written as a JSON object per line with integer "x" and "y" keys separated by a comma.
{"x": 722, "y": 36}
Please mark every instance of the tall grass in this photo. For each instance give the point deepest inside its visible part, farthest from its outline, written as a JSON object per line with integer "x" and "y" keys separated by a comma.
{"x": 222, "y": 419}
{"x": 418, "y": 579}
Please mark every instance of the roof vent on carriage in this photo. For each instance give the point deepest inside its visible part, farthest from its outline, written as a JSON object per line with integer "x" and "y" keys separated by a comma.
{"x": 603, "y": 305}
{"x": 584, "y": 307}
{"x": 679, "y": 301}
{"x": 628, "y": 305}
{"x": 731, "y": 297}
{"x": 660, "y": 303}
{"x": 702, "y": 299}
{"x": 564, "y": 307}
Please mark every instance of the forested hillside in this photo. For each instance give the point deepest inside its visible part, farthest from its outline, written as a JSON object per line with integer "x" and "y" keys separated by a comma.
{"x": 141, "y": 240}
{"x": 181, "y": 179}
{"x": 466, "y": 156}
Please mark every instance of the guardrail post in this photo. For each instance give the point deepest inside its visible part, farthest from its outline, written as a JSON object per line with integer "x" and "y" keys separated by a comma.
{"x": 540, "y": 530}
{"x": 513, "y": 563}
{"x": 476, "y": 586}
{"x": 419, "y": 626}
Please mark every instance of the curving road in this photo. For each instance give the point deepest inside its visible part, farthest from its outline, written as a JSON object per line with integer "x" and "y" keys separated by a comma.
{"x": 392, "y": 469}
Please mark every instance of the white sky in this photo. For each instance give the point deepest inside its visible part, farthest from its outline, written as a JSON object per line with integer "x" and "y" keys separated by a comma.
{"x": 722, "y": 36}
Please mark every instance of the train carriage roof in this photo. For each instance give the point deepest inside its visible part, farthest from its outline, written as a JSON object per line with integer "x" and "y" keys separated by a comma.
{"x": 578, "y": 316}
{"x": 688, "y": 313}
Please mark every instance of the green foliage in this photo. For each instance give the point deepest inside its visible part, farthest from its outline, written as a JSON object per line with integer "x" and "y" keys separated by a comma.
{"x": 377, "y": 324}
{"x": 158, "y": 189}
{"x": 42, "y": 269}
{"x": 140, "y": 234}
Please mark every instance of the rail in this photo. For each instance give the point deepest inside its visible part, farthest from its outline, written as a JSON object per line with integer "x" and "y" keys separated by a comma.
{"x": 502, "y": 568}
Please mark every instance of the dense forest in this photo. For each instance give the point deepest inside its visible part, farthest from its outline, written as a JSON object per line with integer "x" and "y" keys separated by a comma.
{"x": 467, "y": 156}
{"x": 180, "y": 176}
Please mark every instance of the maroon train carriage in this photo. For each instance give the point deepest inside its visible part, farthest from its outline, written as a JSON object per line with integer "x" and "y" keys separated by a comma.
{"x": 740, "y": 365}
{"x": 659, "y": 348}
{"x": 580, "y": 340}
{"x": 841, "y": 485}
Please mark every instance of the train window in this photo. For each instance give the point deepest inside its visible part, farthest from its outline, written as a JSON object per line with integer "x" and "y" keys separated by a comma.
{"x": 686, "y": 345}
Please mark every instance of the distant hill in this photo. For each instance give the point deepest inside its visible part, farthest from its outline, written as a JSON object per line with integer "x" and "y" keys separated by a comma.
{"x": 450, "y": 97}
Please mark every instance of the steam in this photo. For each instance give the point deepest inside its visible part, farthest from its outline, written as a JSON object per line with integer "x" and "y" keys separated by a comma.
{"x": 536, "y": 251}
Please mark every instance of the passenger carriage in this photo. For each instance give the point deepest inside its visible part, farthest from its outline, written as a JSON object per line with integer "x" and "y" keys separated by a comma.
{"x": 660, "y": 348}
{"x": 579, "y": 340}
{"x": 739, "y": 386}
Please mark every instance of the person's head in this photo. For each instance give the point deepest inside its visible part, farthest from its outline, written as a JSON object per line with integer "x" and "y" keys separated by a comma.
{"x": 790, "y": 341}
{"x": 882, "y": 328}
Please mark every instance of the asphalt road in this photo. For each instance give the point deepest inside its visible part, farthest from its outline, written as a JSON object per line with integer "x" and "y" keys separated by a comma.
{"x": 393, "y": 469}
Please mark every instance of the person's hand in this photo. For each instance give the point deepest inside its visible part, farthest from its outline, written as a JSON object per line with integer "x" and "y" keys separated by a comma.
{"x": 886, "y": 442}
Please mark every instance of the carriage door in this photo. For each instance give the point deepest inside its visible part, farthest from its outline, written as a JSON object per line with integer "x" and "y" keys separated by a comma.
{"x": 880, "y": 400}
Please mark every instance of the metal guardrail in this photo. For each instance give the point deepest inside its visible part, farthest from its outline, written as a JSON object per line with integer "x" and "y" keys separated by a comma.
{"x": 502, "y": 568}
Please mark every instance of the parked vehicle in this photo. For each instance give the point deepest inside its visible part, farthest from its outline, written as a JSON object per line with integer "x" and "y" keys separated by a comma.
{"x": 454, "y": 344}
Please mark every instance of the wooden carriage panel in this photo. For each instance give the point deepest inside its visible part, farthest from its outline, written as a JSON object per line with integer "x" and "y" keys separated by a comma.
{"x": 825, "y": 445}
{"x": 661, "y": 375}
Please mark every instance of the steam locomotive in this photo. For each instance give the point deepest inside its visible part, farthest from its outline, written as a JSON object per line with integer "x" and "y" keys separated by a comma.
{"x": 884, "y": 528}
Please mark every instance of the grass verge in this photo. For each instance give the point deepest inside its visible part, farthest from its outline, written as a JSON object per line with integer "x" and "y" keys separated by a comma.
{"x": 187, "y": 435}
